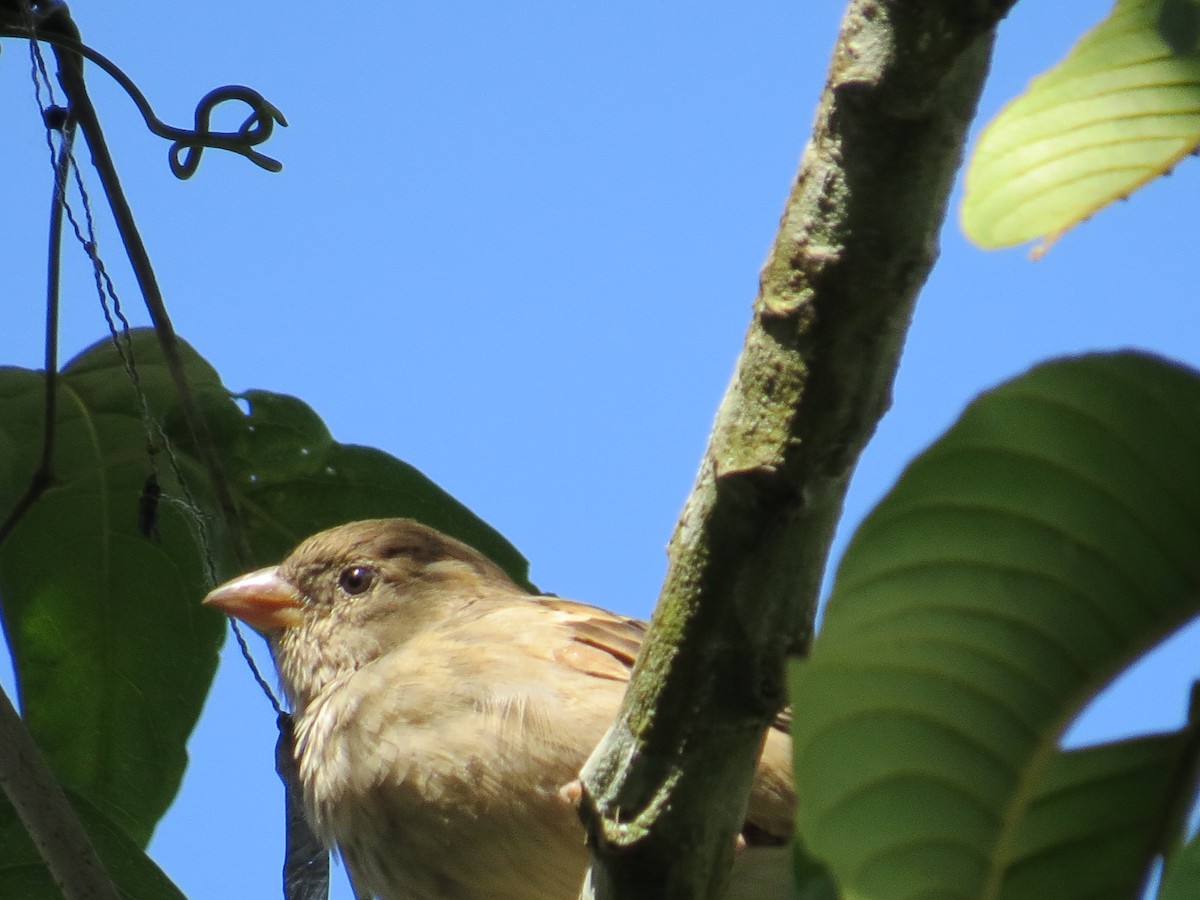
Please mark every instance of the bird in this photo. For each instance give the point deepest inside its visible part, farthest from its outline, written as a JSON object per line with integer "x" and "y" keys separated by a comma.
{"x": 442, "y": 714}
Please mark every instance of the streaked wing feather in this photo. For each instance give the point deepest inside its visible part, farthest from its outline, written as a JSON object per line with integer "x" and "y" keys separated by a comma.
{"x": 602, "y": 643}
{"x": 605, "y": 645}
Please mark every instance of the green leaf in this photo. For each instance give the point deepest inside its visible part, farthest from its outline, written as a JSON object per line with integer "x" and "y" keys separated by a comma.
{"x": 24, "y": 875}
{"x": 113, "y": 654}
{"x": 1120, "y": 110}
{"x": 291, "y": 479}
{"x": 1096, "y": 817}
{"x": 1179, "y": 26}
{"x": 1039, "y": 547}
{"x": 1181, "y": 877}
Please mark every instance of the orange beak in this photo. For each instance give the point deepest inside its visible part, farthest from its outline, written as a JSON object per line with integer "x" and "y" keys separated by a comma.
{"x": 262, "y": 600}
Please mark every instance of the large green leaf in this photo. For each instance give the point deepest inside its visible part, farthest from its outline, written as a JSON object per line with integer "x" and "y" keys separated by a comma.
{"x": 292, "y": 479}
{"x": 1095, "y": 819}
{"x": 1048, "y": 539}
{"x": 1120, "y": 110}
{"x": 23, "y": 875}
{"x": 1181, "y": 879}
{"x": 114, "y": 654}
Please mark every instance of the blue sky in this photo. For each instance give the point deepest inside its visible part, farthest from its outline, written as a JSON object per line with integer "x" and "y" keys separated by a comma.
{"x": 516, "y": 246}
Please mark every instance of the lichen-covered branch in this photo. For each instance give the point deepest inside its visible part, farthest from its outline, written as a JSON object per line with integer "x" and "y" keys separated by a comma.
{"x": 664, "y": 794}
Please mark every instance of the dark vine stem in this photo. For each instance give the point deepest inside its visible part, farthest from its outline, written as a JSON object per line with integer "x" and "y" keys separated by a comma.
{"x": 25, "y": 779}
{"x": 306, "y": 866}
{"x": 43, "y": 477}
{"x": 70, "y": 74}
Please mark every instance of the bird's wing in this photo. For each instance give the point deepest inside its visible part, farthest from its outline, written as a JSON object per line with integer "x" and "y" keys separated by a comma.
{"x": 600, "y": 643}
{"x": 604, "y": 645}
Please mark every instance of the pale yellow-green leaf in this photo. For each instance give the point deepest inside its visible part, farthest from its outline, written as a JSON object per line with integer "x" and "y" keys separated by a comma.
{"x": 1119, "y": 111}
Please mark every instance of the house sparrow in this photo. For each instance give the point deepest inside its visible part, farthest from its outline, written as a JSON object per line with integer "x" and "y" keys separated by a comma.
{"x": 440, "y": 710}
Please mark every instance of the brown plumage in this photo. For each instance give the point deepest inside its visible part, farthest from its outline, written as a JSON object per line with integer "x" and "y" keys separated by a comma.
{"x": 440, "y": 709}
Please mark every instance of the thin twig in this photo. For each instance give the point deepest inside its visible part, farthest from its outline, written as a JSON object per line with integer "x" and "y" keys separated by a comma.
{"x": 26, "y": 780}
{"x": 43, "y": 476}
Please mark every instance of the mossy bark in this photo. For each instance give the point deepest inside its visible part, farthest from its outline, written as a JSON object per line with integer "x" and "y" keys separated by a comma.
{"x": 665, "y": 793}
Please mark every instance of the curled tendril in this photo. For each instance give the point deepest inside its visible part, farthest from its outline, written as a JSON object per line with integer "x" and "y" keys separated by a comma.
{"x": 187, "y": 145}
{"x": 255, "y": 130}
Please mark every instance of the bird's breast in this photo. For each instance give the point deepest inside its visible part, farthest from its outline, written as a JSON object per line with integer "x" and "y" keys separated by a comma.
{"x": 453, "y": 797}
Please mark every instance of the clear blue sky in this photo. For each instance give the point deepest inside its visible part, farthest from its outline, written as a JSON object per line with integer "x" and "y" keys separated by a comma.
{"x": 516, "y": 246}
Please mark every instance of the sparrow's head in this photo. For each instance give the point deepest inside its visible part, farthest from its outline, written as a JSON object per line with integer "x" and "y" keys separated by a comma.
{"x": 347, "y": 595}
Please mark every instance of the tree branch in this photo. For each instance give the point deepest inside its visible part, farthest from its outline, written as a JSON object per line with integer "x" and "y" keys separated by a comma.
{"x": 665, "y": 792}
{"x": 47, "y": 815}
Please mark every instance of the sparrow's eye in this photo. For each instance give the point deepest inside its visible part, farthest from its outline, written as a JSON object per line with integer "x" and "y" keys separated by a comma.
{"x": 356, "y": 579}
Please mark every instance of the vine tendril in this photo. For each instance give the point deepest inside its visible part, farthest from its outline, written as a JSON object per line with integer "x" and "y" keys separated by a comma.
{"x": 187, "y": 144}
{"x": 254, "y": 130}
